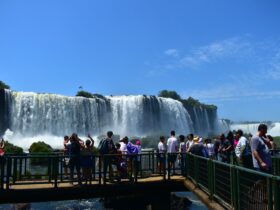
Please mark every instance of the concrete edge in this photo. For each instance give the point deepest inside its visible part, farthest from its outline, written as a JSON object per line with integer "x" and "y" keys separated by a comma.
{"x": 211, "y": 204}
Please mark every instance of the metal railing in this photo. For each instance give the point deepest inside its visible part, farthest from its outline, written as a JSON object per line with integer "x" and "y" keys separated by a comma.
{"x": 55, "y": 168}
{"x": 233, "y": 186}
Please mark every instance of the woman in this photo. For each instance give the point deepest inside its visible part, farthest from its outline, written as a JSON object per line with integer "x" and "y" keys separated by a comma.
{"x": 2, "y": 147}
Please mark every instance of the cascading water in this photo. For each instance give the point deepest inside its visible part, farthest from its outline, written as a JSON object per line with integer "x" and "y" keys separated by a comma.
{"x": 273, "y": 128}
{"x": 48, "y": 117}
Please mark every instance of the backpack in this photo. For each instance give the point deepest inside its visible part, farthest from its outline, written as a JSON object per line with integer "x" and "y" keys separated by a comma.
{"x": 103, "y": 147}
{"x": 246, "y": 151}
{"x": 246, "y": 156}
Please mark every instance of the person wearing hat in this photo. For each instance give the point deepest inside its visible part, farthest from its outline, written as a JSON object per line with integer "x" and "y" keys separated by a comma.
{"x": 198, "y": 148}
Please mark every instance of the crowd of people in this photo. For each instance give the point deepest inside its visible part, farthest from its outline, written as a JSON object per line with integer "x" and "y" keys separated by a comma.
{"x": 123, "y": 156}
{"x": 252, "y": 152}
{"x": 123, "y": 160}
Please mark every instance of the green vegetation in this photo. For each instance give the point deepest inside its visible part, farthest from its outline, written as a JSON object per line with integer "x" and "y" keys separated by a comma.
{"x": 12, "y": 149}
{"x": 40, "y": 147}
{"x": 169, "y": 94}
{"x": 189, "y": 102}
{"x": 85, "y": 94}
{"x": 277, "y": 141}
{"x": 3, "y": 85}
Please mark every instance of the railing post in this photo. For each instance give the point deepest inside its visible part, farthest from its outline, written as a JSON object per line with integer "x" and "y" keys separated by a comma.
{"x": 20, "y": 168}
{"x": 2, "y": 162}
{"x": 104, "y": 169}
{"x": 168, "y": 166}
{"x": 93, "y": 168}
{"x": 55, "y": 169}
{"x": 164, "y": 166}
{"x": 9, "y": 168}
{"x": 99, "y": 169}
{"x": 153, "y": 161}
{"x": 234, "y": 187}
{"x": 210, "y": 178}
{"x": 14, "y": 170}
{"x": 276, "y": 192}
{"x": 50, "y": 169}
{"x": 269, "y": 193}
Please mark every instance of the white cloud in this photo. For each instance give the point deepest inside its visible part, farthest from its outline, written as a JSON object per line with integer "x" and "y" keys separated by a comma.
{"x": 232, "y": 93}
{"x": 215, "y": 51}
{"x": 172, "y": 52}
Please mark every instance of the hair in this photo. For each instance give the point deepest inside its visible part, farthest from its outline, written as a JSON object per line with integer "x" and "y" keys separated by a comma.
{"x": 230, "y": 135}
{"x": 240, "y": 132}
{"x": 172, "y": 133}
{"x": 88, "y": 142}
{"x": 161, "y": 138}
{"x": 182, "y": 138}
{"x": 66, "y": 137}
{"x": 109, "y": 134}
{"x": 118, "y": 145}
{"x": 190, "y": 136}
{"x": 125, "y": 139}
{"x": 262, "y": 127}
{"x": 270, "y": 137}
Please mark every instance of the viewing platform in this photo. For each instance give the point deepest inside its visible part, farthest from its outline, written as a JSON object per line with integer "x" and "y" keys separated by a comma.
{"x": 218, "y": 185}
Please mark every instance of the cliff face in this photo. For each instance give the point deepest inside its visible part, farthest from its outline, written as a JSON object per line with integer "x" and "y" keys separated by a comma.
{"x": 4, "y": 111}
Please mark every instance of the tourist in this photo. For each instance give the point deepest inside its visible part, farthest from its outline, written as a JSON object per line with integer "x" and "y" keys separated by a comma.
{"x": 66, "y": 153}
{"x": 226, "y": 147}
{"x": 162, "y": 148}
{"x": 189, "y": 142}
{"x": 107, "y": 147}
{"x": 75, "y": 151}
{"x": 260, "y": 149}
{"x": 120, "y": 163}
{"x": 2, "y": 147}
{"x": 243, "y": 151}
{"x": 210, "y": 148}
{"x": 272, "y": 143}
{"x": 123, "y": 145}
{"x": 172, "y": 148}
{"x": 217, "y": 143}
{"x": 182, "y": 153}
{"x": 87, "y": 159}
{"x": 198, "y": 149}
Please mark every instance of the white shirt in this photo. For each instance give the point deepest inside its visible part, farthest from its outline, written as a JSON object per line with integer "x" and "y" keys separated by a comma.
{"x": 189, "y": 144}
{"x": 240, "y": 145}
{"x": 210, "y": 149}
{"x": 161, "y": 147}
{"x": 172, "y": 145}
{"x": 123, "y": 148}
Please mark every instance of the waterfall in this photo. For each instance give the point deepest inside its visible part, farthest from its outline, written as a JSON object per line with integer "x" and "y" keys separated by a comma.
{"x": 51, "y": 116}
{"x": 273, "y": 128}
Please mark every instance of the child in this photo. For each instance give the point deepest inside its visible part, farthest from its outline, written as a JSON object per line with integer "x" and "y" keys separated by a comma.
{"x": 87, "y": 160}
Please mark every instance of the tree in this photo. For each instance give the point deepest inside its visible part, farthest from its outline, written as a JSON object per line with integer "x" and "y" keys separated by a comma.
{"x": 169, "y": 94}
{"x": 85, "y": 94}
{"x": 3, "y": 85}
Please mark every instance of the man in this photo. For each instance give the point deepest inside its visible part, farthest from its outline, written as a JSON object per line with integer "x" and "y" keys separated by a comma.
{"x": 75, "y": 151}
{"x": 260, "y": 150}
{"x": 189, "y": 142}
{"x": 108, "y": 147}
{"x": 243, "y": 151}
{"x": 172, "y": 148}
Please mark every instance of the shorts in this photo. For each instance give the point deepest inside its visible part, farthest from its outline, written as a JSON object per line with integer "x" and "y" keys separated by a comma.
{"x": 172, "y": 157}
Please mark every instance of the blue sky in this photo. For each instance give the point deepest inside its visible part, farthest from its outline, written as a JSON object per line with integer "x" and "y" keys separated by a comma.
{"x": 221, "y": 52}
